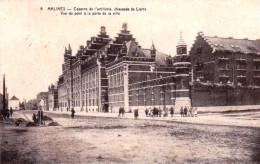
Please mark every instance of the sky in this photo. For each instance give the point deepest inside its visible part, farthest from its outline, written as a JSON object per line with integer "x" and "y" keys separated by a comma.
{"x": 32, "y": 40}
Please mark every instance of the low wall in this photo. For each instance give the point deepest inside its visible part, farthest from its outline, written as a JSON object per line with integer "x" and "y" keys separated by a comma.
{"x": 227, "y": 108}
{"x": 208, "y": 97}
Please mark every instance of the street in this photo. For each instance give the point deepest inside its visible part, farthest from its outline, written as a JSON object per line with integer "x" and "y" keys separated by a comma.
{"x": 89, "y": 139}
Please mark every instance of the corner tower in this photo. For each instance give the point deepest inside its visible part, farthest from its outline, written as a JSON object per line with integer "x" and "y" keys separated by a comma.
{"x": 182, "y": 67}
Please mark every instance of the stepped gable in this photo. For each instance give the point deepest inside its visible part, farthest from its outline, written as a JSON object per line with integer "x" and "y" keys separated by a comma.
{"x": 232, "y": 45}
{"x": 95, "y": 43}
{"x": 123, "y": 36}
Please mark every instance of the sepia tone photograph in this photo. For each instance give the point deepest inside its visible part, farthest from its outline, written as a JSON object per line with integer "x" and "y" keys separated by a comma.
{"x": 117, "y": 81}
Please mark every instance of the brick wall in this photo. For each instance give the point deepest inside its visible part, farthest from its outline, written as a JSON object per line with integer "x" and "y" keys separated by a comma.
{"x": 203, "y": 97}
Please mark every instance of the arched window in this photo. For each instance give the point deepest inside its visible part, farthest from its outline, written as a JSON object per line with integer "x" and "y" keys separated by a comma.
{"x": 148, "y": 77}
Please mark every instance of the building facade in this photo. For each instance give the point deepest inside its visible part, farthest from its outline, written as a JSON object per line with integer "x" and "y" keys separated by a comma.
{"x": 225, "y": 71}
{"x": 98, "y": 76}
{"x": 14, "y": 103}
{"x": 107, "y": 74}
{"x": 52, "y": 98}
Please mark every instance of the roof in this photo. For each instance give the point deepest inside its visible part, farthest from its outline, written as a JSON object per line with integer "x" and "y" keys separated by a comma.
{"x": 233, "y": 45}
{"x": 133, "y": 49}
{"x": 181, "y": 41}
{"x": 14, "y": 98}
{"x": 160, "y": 57}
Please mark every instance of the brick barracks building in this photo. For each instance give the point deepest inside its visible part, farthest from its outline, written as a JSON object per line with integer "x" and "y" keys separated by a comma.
{"x": 225, "y": 72}
{"x": 111, "y": 73}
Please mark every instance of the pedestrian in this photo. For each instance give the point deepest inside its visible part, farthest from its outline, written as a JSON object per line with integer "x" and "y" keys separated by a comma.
{"x": 34, "y": 118}
{"x": 154, "y": 111}
{"x": 195, "y": 111}
{"x": 40, "y": 116}
{"x": 191, "y": 111}
{"x": 11, "y": 111}
{"x": 160, "y": 112}
{"x": 119, "y": 111}
{"x": 172, "y": 111}
{"x": 67, "y": 109}
{"x": 72, "y": 113}
{"x": 185, "y": 111}
{"x": 146, "y": 112}
{"x": 136, "y": 113}
{"x": 7, "y": 113}
{"x": 123, "y": 111}
{"x": 181, "y": 111}
{"x": 111, "y": 109}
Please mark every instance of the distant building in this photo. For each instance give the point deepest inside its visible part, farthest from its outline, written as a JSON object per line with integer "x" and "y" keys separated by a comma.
{"x": 1, "y": 103}
{"x": 41, "y": 100}
{"x": 52, "y": 98}
{"x": 31, "y": 105}
{"x": 14, "y": 103}
{"x": 62, "y": 94}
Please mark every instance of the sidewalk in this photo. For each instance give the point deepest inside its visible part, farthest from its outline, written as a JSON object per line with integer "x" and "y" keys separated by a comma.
{"x": 209, "y": 118}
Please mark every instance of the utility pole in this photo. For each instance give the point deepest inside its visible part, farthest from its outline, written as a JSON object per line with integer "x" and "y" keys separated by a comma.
{"x": 4, "y": 100}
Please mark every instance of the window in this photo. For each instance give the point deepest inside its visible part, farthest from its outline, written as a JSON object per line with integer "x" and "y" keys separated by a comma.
{"x": 241, "y": 64}
{"x": 148, "y": 77}
{"x": 223, "y": 64}
{"x": 199, "y": 67}
{"x": 199, "y": 49}
{"x": 223, "y": 80}
{"x": 116, "y": 80}
{"x": 241, "y": 81}
{"x": 257, "y": 81}
{"x": 257, "y": 65}
{"x": 122, "y": 78}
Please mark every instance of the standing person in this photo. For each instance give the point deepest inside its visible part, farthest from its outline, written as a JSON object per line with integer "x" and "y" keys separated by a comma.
{"x": 160, "y": 112}
{"x": 34, "y": 118}
{"x": 136, "y": 113}
{"x": 185, "y": 111}
{"x": 40, "y": 116}
{"x": 146, "y": 112}
{"x": 11, "y": 111}
{"x": 191, "y": 111}
{"x": 7, "y": 113}
{"x": 72, "y": 112}
{"x": 119, "y": 111}
{"x": 172, "y": 111}
{"x": 123, "y": 111}
{"x": 195, "y": 111}
{"x": 181, "y": 110}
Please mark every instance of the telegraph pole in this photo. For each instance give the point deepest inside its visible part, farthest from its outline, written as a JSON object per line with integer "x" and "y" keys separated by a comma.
{"x": 4, "y": 100}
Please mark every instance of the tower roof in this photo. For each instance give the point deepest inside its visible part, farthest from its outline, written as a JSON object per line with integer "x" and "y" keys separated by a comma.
{"x": 69, "y": 47}
{"x": 153, "y": 47}
{"x": 181, "y": 42}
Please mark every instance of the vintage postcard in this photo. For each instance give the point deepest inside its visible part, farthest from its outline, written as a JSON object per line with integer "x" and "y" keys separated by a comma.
{"x": 117, "y": 81}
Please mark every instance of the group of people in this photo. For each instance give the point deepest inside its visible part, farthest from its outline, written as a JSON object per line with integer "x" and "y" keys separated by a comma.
{"x": 191, "y": 112}
{"x": 155, "y": 112}
{"x": 121, "y": 111}
{"x": 158, "y": 112}
{"x": 38, "y": 119}
{"x": 7, "y": 113}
